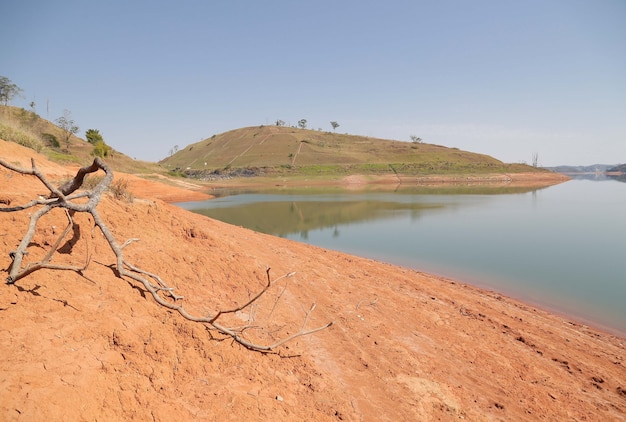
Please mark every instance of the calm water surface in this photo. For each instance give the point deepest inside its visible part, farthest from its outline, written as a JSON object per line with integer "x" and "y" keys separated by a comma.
{"x": 562, "y": 247}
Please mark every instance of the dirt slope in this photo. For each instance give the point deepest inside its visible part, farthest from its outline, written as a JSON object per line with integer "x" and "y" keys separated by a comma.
{"x": 405, "y": 345}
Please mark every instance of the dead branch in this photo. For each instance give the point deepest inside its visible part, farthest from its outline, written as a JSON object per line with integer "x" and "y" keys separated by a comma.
{"x": 64, "y": 197}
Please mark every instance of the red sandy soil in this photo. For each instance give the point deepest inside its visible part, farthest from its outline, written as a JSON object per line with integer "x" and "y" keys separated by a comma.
{"x": 405, "y": 345}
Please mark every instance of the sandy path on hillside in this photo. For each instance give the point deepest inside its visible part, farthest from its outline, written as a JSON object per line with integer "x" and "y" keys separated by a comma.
{"x": 405, "y": 345}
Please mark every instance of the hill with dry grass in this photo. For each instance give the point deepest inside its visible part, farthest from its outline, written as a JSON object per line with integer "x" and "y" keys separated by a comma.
{"x": 28, "y": 129}
{"x": 265, "y": 150}
{"x": 287, "y": 150}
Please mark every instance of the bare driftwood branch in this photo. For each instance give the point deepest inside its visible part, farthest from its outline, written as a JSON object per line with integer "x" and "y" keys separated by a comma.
{"x": 64, "y": 197}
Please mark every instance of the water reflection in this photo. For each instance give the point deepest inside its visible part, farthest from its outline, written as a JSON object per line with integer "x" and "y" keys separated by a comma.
{"x": 283, "y": 217}
{"x": 560, "y": 247}
{"x": 284, "y": 211}
{"x": 618, "y": 177}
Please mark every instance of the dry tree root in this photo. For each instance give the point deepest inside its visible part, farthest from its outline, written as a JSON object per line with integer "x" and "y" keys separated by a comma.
{"x": 64, "y": 197}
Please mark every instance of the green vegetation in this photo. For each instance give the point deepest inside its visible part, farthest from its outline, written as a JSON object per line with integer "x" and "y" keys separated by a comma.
{"x": 27, "y": 128}
{"x": 21, "y": 137}
{"x": 93, "y": 136}
{"x": 51, "y": 140}
{"x": 8, "y": 90}
{"x": 100, "y": 148}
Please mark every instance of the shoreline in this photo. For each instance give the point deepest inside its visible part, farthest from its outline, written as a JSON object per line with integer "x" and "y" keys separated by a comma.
{"x": 546, "y": 306}
{"x": 521, "y": 181}
{"x": 529, "y": 180}
{"x": 538, "y": 179}
{"x": 404, "y": 344}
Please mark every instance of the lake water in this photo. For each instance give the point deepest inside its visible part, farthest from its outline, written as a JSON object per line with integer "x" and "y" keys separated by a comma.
{"x": 561, "y": 247}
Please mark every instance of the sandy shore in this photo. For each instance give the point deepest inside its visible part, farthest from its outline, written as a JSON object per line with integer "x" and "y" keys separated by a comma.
{"x": 405, "y": 345}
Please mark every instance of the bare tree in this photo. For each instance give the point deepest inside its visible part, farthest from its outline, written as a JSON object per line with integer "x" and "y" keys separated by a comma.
{"x": 535, "y": 159}
{"x": 65, "y": 197}
{"x": 66, "y": 123}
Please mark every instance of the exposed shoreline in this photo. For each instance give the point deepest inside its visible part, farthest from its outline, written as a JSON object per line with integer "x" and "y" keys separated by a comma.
{"x": 535, "y": 179}
{"x": 405, "y": 345}
{"x": 358, "y": 182}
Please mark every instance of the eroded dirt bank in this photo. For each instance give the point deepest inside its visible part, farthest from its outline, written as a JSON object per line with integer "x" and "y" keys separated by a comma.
{"x": 405, "y": 345}
{"x": 392, "y": 182}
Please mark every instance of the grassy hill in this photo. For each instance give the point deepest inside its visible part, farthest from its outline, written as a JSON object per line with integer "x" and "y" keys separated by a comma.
{"x": 268, "y": 150}
{"x": 30, "y": 130}
{"x": 287, "y": 150}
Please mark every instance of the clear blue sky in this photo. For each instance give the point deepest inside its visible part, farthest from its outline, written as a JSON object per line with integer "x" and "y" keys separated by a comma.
{"x": 501, "y": 77}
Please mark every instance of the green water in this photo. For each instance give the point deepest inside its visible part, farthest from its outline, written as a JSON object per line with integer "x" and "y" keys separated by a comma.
{"x": 561, "y": 247}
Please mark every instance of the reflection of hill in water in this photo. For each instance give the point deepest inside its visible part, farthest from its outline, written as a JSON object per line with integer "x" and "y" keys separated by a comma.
{"x": 619, "y": 178}
{"x": 280, "y": 216}
{"x": 285, "y": 217}
{"x": 598, "y": 177}
{"x": 410, "y": 189}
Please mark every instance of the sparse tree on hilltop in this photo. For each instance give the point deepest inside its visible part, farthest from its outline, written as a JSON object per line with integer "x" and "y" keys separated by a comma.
{"x": 280, "y": 123}
{"x": 8, "y": 90}
{"x": 335, "y": 125}
{"x": 66, "y": 123}
{"x": 302, "y": 124}
{"x": 415, "y": 139}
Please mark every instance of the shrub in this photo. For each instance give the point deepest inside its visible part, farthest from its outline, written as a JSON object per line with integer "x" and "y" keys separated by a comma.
{"x": 119, "y": 189}
{"x": 100, "y": 149}
{"x": 51, "y": 140}
{"x": 20, "y": 137}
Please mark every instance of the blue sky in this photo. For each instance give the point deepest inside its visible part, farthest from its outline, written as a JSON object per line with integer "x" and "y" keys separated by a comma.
{"x": 504, "y": 78}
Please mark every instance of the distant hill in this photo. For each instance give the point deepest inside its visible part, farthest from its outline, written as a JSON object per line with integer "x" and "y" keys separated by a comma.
{"x": 31, "y": 130}
{"x": 618, "y": 169}
{"x": 594, "y": 168}
{"x": 279, "y": 149}
{"x": 617, "y": 173}
{"x": 595, "y": 172}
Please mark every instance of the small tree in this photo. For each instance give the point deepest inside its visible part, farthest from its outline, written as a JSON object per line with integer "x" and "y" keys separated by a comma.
{"x": 302, "y": 124}
{"x": 101, "y": 149}
{"x": 93, "y": 136}
{"x": 8, "y": 90}
{"x": 51, "y": 140}
{"x": 535, "y": 159}
{"x": 335, "y": 125}
{"x": 415, "y": 139}
{"x": 66, "y": 123}
{"x": 280, "y": 123}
